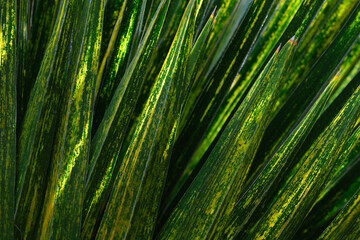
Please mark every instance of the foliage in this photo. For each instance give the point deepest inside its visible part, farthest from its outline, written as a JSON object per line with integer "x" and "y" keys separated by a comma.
{"x": 189, "y": 119}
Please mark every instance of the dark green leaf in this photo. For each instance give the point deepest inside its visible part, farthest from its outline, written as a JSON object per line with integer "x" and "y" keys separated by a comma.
{"x": 8, "y": 75}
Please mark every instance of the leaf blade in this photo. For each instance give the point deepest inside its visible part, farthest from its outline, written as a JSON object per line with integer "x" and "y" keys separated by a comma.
{"x": 8, "y": 78}
{"x": 109, "y": 137}
{"x": 132, "y": 170}
{"x": 227, "y": 165}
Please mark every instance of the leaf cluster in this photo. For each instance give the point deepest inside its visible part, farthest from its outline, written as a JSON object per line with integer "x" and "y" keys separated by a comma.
{"x": 188, "y": 119}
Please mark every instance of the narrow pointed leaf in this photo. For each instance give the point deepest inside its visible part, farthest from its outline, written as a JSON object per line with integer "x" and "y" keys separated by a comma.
{"x": 37, "y": 98}
{"x": 35, "y": 142}
{"x": 294, "y": 202}
{"x": 309, "y": 86}
{"x": 109, "y": 137}
{"x": 227, "y": 165}
{"x": 8, "y": 75}
{"x": 349, "y": 69}
{"x": 123, "y": 200}
{"x": 314, "y": 43}
{"x": 196, "y": 55}
{"x": 346, "y": 224}
{"x": 259, "y": 187}
{"x": 116, "y": 59}
{"x": 253, "y": 63}
{"x": 61, "y": 218}
{"x": 192, "y": 131}
{"x": 329, "y": 205}
{"x": 36, "y": 22}
{"x": 343, "y": 160}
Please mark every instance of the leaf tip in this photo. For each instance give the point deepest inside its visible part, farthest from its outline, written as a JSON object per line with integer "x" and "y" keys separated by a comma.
{"x": 213, "y": 16}
{"x": 338, "y": 73}
{"x": 292, "y": 40}
{"x": 278, "y": 49}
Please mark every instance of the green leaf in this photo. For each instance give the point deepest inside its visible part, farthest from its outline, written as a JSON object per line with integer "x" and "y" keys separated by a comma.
{"x": 150, "y": 10}
{"x": 346, "y": 224}
{"x": 36, "y": 140}
{"x": 218, "y": 41}
{"x": 221, "y": 94}
{"x": 172, "y": 21}
{"x": 37, "y": 96}
{"x": 329, "y": 205}
{"x": 263, "y": 47}
{"x": 210, "y": 91}
{"x": 196, "y": 55}
{"x": 343, "y": 160}
{"x": 295, "y": 201}
{"x": 314, "y": 43}
{"x": 302, "y": 19}
{"x": 36, "y": 22}
{"x": 64, "y": 196}
{"x": 309, "y": 87}
{"x": 349, "y": 68}
{"x": 213, "y": 192}
{"x": 109, "y": 137}
{"x": 345, "y": 180}
{"x": 8, "y": 76}
{"x": 116, "y": 59}
{"x": 329, "y": 114}
{"x": 231, "y": 13}
{"x": 198, "y": 49}
{"x": 163, "y": 106}
{"x": 259, "y": 187}
{"x": 161, "y": 119}
{"x": 113, "y": 12}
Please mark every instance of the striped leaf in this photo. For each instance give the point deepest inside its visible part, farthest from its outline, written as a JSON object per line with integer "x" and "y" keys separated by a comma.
{"x": 36, "y": 141}
{"x": 192, "y": 131}
{"x": 343, "y": 182}
{"x": 329, "y": 205}
{"x": 197, "y": 52}
{"x": 36, "y": 22}
{"x": 116, "y": 58}
{"x": 64, "y": 196}
{"x": 108, "y": 139}
{"x": 313, "y": 43}
{"x": 295, "y": 201}
{"x": 225, "y": 86}
{"x": 256, "y": 191}
{"x": 343, "y": 160}
{"x": 164, "y": 105}
{"x": 350, "y": 68}
{"x": 227, "y": 165}
{"x": 309, "y": 86}
{"x": 346, "y": 224}
{"x": 8, "y": 76}
{"x": 161, "y": 119}
{"x": 263, "y": 48}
